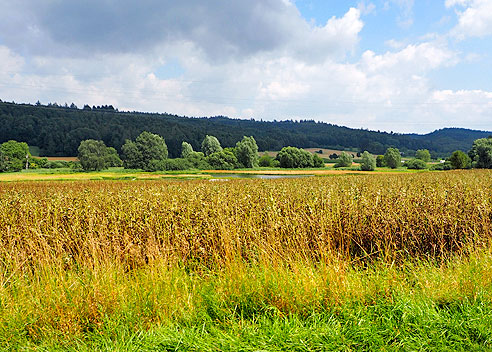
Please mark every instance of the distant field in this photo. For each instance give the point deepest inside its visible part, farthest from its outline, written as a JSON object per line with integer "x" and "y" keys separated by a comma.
{"x": 343, "y": 263}
{"x": 61, "y": 158}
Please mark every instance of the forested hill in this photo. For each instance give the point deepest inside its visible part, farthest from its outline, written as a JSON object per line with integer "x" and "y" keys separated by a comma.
{"x": 57, "y": 131}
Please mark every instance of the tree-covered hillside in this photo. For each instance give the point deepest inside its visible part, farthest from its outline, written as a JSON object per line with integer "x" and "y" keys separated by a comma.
{"x": 59, "y": 130}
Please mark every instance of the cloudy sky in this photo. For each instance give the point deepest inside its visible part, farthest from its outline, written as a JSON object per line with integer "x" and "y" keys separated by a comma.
{"x": 393, "y": 65}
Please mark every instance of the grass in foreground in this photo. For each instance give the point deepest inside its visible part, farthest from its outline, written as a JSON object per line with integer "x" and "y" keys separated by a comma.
{"x": 374, "y": 262}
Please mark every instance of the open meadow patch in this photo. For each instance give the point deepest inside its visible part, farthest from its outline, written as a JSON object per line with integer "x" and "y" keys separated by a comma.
{"x": 354, "y": 262}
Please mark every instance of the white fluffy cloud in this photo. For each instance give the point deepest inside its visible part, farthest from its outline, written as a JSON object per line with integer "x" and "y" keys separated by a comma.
{"x": 474, "y": 18}
{"x": 256, "y": 59}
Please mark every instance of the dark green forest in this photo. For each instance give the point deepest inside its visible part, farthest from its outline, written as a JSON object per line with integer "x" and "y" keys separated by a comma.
{"x": 58, "y": 131}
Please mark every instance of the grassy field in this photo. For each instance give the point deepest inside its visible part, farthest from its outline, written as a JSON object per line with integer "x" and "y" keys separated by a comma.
{"x": 353, "y": 262}
{"x": 66, "y": 174}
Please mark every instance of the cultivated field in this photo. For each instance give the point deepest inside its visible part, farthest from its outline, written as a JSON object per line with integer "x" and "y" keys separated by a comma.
{"x": 352, "y": 262}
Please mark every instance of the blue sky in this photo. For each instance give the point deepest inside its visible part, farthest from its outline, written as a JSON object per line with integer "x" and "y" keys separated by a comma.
{"x": 394, "y": 65}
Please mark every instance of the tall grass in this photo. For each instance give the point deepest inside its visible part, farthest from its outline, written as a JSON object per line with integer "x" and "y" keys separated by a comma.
{"x": 89, "y": 259}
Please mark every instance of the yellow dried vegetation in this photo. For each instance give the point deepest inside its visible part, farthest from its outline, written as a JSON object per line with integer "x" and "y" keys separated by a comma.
{"x": 73, "y": 254}
{"x": 255, "y": 221}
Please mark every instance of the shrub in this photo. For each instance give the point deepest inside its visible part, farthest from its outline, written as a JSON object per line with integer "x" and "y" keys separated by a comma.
{"x": 170, "y": 165}
{"x": 55, "y": 164}
{"x": 265, "y": 161}
{"x": 198, "y": 161}
{"x": 223, "y": 160}
{"x": 442, "y": 166}
{"x": 416, "y": 164}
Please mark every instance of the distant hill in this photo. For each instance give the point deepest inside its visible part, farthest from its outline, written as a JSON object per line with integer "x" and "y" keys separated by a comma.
{"x": 57, "y": 131}
{"x": 448, "y": 140}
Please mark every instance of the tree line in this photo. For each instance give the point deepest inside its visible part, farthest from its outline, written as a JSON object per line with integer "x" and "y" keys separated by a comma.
{"x": 58, "y": 130}
{"x": 149, "y": 152}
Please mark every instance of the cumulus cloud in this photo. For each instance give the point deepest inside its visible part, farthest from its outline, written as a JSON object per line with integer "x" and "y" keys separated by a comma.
{"x": 220, "y": 29}
{"x": 413, "y": 58}
{"x": 474, "y": 18}
{"x": 257, "y": 58}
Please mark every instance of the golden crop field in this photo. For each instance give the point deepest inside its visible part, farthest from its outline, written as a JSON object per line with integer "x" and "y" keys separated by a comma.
{"x": 77, "y": 256}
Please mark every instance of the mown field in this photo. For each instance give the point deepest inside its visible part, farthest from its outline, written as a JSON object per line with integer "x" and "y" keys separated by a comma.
{"x": 351, "y": 262}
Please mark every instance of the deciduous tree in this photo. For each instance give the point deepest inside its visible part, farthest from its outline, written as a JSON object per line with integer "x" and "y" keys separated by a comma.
{"x": 460, "y": 160}
{"x": 147, "y": 146}
{"x": 93, "y": 155}
{"x": 481, "y": 153}
{"x": 392, "y": 158}
{"x": 210, "y": 145}
{"x": 246, "y": 152}
{"x": 423, "y": 154}
{"x": 344, "y": 160}
{"x": 368, "y": 162}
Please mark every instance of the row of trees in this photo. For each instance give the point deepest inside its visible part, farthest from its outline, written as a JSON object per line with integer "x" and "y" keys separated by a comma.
{"x": 59, "y": 131}
{"x": 149, "y": 152}
{"x": 479, "y": 156}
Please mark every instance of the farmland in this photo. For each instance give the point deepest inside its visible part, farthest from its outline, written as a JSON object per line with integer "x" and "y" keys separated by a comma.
{"x": 380, "y": 261}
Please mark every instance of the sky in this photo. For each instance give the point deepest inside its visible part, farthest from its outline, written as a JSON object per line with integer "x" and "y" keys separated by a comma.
{"x": 407, "y": 66}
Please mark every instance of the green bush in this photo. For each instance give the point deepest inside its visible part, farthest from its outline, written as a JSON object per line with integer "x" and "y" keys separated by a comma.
{"x": 36, "y": 163}
{"x": 265, "y": 161}
{"x": 295, "y": 158}
{"x": 416, "y": 164}
{"x": 58, "y": 164}
{"x": 223, "y": 160}
{"x": 170, "y": 165}
{"x": 198, "y": 161}
{"x": 442, "y": 166}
